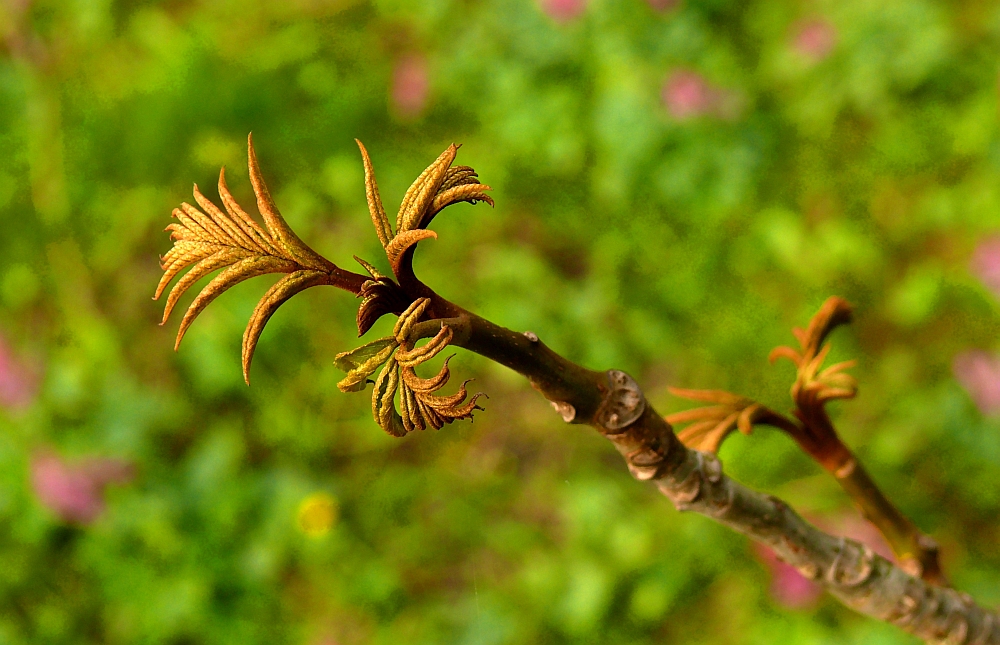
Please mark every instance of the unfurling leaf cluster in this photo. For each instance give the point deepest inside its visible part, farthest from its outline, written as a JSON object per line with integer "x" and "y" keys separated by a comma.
{"x": 812, "y": 389}
{"x": 814, "y": 386}
{"x": 710, "y": 425}
{"x": 209, "y": 239}
{"x": 398, "y": 355}
{"x": 438, "y": 186}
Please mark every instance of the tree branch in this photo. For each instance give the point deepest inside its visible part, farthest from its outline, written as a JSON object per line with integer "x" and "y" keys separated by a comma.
{"x": 693, "y": 480}
{"x": 609, "y": 401}
{"x": 919, "y": 553}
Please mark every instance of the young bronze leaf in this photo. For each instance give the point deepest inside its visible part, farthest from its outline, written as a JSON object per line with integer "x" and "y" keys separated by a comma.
{"x": 833, "y": 313}
{"x": 292, "y": 245}
{"x": 785, "y": 352}
{"x": 458, "y": 175}
{"x": 409, "y": 411}
{"x": 427, "y": 351}
{"x": 348, "y": 361}
{"x": 404, "y": 240}
{"x": 221, "y": 258}
{"x": 362, "y": 362}
{"x": 242, "y": 270}
{"x": 380, "y": 295}
{"x": 382, "y": 227}
{"x": 211, "y": 239}
{"x": 814, "y": 386}
{"x": 423, "y": 190}
{"x": 710, "y": 396}
{"x": 451, "y": 406}
{"x": 419, "y": 407}
{"x": 367, "y": 266}
{"x": 816, "y": 434}
{"x": 410, "y": 317}
{"x": 471, "y": 193}
{"x": 276, "y": 296}
{"x": 438, "y": 186}
{"x": 417, "y": 384}
{"x": 382, "y": 406}
{"x": 710, "y": 425}
{"x": 708, "y": 435}
{"x": 242, "y": 225}
{"x": 263, "y": 238}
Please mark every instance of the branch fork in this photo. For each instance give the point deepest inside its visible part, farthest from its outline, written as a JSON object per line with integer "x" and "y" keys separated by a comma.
{"x": 815, "y": 433}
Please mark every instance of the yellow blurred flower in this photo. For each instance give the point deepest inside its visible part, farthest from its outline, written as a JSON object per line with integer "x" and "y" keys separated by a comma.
{"x": 317, "y": 514}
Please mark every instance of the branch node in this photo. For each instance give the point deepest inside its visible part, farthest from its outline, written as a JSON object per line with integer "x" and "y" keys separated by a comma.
{"x": 909, "y": 602}
{"x": 531, "y": 336}
{"x": 644, "y": 463}
{"x": 926, "y": 610}
{"x": 643, "y": 473}
{"x": 622, "y": 405}
{"x": 911, "y": 565}
{"x": 957, "y": 628}
{"x": 810, "y": 571}
{"x": 712, "y": 467}
{"x": 684, "y": 494}
{"x": 845, "y": 471}
{"x": 987, "y": 630}
{"x": 565, "y": 410}
{"x": 853, "y": 564}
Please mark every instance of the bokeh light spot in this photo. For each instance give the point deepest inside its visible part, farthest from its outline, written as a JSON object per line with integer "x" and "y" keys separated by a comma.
{"x": 317, "y": 514}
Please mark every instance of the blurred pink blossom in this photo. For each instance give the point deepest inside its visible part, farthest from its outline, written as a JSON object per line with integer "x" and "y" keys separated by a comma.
{"x": 411, "y": 86}
{"x": 979, "y": 374}
{"x": 986, "y": 264}
{"x": 687, "y": 94}
{"x": 788, "y": 586}
{"x": 663, "y": 5}
{"x": 564, "y": 10}
{"x": 75, "y": 492}
{"x": 18, "y": 384}
{"x": 815, "y": 39}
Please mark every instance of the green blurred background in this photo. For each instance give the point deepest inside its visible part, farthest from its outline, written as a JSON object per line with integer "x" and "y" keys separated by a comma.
{"x": 677, "y": 185}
